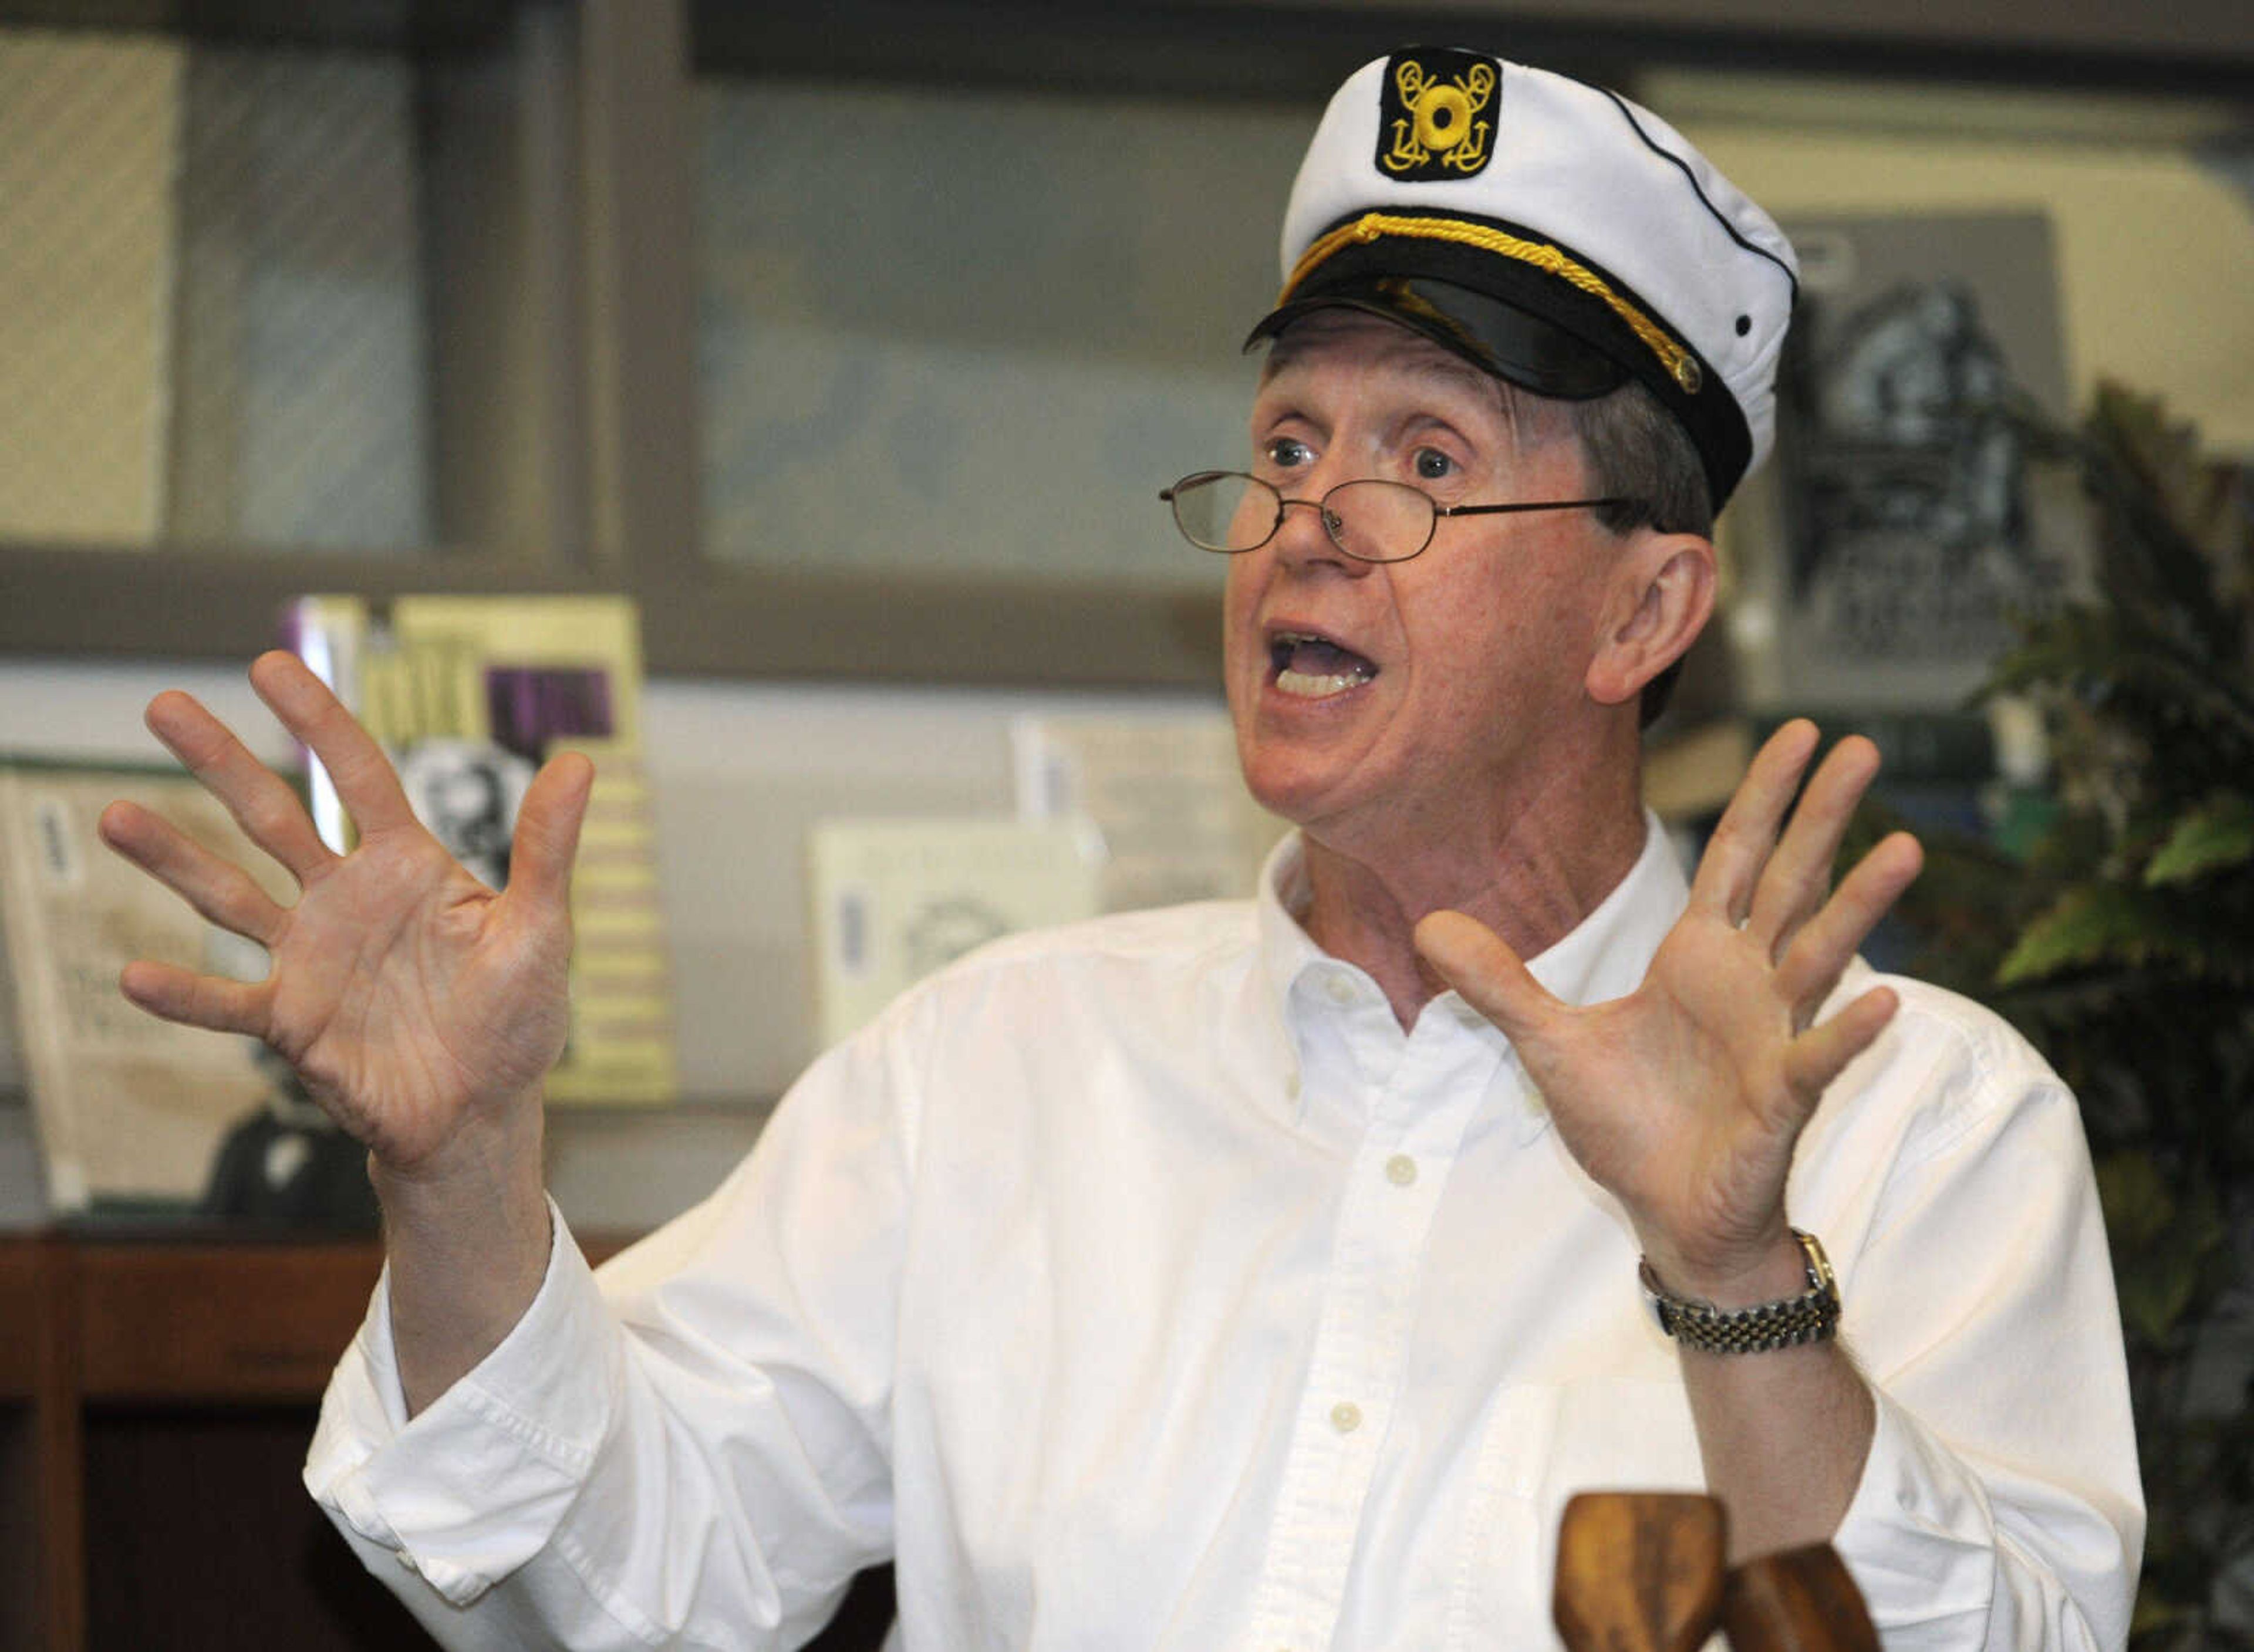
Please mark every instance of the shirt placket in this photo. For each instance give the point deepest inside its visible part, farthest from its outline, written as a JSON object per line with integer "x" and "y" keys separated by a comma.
{"x": 1416, "y": 1114}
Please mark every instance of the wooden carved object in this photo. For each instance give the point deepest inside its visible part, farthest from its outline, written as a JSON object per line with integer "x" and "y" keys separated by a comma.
{"x": 1800, "y": 1601}
{"x": 1639, "y": 1571}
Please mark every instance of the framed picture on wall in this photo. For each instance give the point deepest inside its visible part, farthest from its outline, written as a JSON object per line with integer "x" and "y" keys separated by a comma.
{"x": 1878, "y": 566}
{"x": 139, "y": 1118}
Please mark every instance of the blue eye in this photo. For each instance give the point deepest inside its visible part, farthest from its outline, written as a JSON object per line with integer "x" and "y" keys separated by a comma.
{"x": 1432, "y": 465}
{"x": 1287, "y": 452}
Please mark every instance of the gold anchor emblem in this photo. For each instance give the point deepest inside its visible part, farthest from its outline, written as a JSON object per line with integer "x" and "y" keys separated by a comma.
{"x": 1439, "y": 124}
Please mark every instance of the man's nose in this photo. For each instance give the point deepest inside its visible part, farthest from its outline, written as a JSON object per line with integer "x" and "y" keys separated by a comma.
{"x": 1303, "y": 537}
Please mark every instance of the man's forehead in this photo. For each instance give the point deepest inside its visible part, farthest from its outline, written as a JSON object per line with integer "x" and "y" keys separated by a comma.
{"x": 1379, "y": 343}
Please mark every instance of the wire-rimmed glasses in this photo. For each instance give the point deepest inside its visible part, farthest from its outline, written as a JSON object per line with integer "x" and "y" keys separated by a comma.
{"x": 1370, "y": 521}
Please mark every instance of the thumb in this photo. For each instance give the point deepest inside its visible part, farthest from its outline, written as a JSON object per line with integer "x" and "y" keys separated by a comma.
{"x": 547, "y": 837}
{"x": 1478, "y": 963}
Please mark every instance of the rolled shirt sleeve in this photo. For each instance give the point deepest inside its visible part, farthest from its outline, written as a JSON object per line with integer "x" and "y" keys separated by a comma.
{"x": 468, "y": 1491}
{"x": 689, "y": 1450}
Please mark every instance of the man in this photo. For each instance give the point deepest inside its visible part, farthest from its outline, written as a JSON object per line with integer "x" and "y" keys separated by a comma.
{"x": 1267, "y": 1275}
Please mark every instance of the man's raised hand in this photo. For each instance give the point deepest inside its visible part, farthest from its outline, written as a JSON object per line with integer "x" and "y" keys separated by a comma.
{"x": 413, "y": 1000}
{"x": 1685, "y": 1098}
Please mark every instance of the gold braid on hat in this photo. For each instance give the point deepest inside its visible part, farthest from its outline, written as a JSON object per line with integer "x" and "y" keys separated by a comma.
{"x": 1681, "y": 365}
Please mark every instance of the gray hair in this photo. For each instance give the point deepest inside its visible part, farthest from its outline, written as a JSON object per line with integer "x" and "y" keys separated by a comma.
{"x": 1634, "y": 449}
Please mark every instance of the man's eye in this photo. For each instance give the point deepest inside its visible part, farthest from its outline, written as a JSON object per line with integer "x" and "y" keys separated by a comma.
{"x": 1287, "y": 452}
{"x": 1432, "y": 465}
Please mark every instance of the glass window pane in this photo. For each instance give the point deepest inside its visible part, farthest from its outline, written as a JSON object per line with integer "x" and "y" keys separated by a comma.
{"x": 299, "y": 407}
{"x": 958, "y": 332}
{"x": 240, "y": 295}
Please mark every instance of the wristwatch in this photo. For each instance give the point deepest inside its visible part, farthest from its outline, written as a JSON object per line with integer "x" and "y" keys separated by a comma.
{"x": 1813, "y": 1316}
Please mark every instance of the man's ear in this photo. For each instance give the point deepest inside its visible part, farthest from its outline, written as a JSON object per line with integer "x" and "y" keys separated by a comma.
{"x": 1661, "y": 599}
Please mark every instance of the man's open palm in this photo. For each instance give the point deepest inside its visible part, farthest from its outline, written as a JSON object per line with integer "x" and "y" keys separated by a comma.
{"x": 411, "y": 998}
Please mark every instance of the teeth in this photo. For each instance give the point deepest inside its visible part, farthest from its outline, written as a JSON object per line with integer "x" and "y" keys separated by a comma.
{"x": 1313, "y": 685}
{"x": 1307, "y": 686}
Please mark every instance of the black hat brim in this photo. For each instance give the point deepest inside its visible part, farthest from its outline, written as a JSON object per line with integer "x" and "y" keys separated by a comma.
{"x": 1496, "y": 338}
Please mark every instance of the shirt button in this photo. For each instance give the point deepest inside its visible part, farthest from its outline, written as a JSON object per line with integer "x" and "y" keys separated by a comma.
{"x": 1340, "y": 989}
{"x": 1401, "y": 1170}
{"x": 1346, "y": 1417}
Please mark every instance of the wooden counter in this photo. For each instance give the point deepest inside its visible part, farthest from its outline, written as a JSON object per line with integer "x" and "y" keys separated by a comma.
{"x": 156, "y": 1398}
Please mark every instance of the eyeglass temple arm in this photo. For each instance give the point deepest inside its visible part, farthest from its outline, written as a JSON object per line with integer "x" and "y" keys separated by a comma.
{"x": 1544, "y": 504}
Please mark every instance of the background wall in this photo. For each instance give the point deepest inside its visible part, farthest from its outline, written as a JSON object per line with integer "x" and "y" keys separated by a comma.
{"x": 2150, "y": 208}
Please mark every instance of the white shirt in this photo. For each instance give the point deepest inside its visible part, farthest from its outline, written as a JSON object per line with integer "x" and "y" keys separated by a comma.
{"x": 1143, "y": 1284}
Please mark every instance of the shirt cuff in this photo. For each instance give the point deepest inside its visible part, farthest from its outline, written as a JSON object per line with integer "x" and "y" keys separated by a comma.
{"x": 474, "y": 1486}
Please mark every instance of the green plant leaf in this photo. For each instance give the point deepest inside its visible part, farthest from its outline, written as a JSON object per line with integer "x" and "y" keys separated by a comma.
{"x": 2090, "y": 924}
{"x": 2138, "y": 1204}
{"x": 2155, "y": 1613}
{"x": 2155, "y": 1289}
{"x": 2162, "y": 1242}
{"x": 2216, "y": 835}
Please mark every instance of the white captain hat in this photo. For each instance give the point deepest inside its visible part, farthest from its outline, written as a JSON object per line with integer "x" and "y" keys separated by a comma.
{"x": 1553, "y": 233}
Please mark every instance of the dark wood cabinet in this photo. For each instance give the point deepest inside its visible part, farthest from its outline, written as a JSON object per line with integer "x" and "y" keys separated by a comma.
{"x": 155, "y": 1399}
{"x": 156, "y": 1396}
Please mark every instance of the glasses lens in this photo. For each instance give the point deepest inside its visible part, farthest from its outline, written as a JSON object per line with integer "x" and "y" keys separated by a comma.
{"x": 1221, "y": 510}
{"x": 1378, "y": 522}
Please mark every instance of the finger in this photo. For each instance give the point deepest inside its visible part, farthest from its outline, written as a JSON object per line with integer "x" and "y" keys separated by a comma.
{"x": 217, "y": 888}
{"x": 1822, "y": 1053}
{"x": 1475, "y": 961}
{"x": 1747, "y": 830}
{"x": 208, "y": 1001}
{"x": 260, "y": 800}
{"x": 1793, "y": 885}
{"x": 1812, "y": 964}
{"x": 547, "y": 836}
{"x": 365, "y": 782}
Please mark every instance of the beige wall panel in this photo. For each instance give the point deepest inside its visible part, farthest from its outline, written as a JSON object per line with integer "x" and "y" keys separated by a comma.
{"x": 88, "y": 134}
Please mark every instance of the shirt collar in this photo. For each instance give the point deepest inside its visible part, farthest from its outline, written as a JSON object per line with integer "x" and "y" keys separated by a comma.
{"x": 1286, "y": 949}
{"x": 1603, "y": 957}
{"x": 1606, "y": 955}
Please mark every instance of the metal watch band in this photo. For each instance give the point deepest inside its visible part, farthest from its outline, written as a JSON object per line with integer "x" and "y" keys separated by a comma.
{"x": 1813, "y": 1316}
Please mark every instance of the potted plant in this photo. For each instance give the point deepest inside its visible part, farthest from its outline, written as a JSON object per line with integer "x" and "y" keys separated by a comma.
{"x": 2115, "y": 926}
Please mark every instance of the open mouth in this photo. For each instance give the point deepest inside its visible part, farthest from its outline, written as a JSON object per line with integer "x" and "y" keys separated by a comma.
{"x": 1313, "y": 666}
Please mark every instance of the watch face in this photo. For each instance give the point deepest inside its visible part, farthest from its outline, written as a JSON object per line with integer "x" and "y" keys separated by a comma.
{"x": 1820, "y": 1277}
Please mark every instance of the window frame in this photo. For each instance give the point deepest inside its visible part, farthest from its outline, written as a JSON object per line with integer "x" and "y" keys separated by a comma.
{"x": 604, "y": 221}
